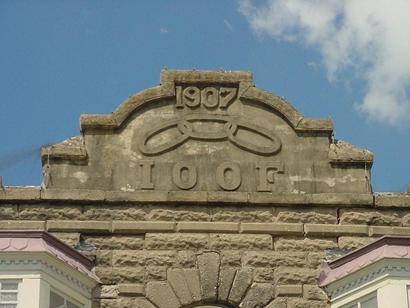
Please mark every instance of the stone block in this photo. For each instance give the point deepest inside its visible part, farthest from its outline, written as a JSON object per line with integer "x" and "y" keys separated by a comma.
{"x": 289, "y": 290}
{"x": 272, "y": 228}
{"x": 144, "y": 258}
{"x": 69, "y": 238}
{"x": 351, "y": 243}
{"x": 209, "y": 227}
{"x": 242, "y": 214}
{"x": 226, "y": 276}
{"x": 230, "y": 197}
{"x": 139, "y": 196}
{"x": 106, "y": 291}
{"x": 188, "y": 196}
{"x": 302, "y": 303}
{"x": 142, "y": 303}
{"x": 384, "y": 230}
{"x": 177, "y": 213}
{"x": 263, "y": 274}
{"x": 50, "y": 211}
{"x": 115, "y": 242}
{"x": 334, "y": 230}
{"x": 20, "y": 193}
{"x": 141, "y": 227}
{"x": 258, "y": 295}
{"x": 240, "y": 285}
{"x": 277, "y": 303}
{"x": 134, "y": 274}
{"x": 241, "y": 241}
{"x": 294, "y": 275}
{"x": 370, "y": 217}
{"x": 394, "y": 200}
{"x": 22, "y": 225}
{"x": 186, "y": 258}
{"x": 270, "y": 259}
{"x": 208, "y": 265}
{"x": 312, "y": 215}
{"x": 178, "y": 283}
{"x": 313, "y": 292}
{"x": 231, "y": 258}
{"x": 114, "y": 212}
{"x": 304, "y": 244}
{"x": 8, "y": 211}
{"x": 103, "y": 258}
{"x": 162, "y": 295}
{"x": 72, "y": 194}
{"x": 177, "y": 241}
{"x": 79, "y": 225}
{"x": 192, "y": 279}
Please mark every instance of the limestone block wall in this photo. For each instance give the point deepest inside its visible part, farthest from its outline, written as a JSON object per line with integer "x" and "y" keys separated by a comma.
{"x": 253, "y": 253}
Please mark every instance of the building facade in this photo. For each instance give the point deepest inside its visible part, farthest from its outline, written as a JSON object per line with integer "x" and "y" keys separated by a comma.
{"x": 206, "y": 191}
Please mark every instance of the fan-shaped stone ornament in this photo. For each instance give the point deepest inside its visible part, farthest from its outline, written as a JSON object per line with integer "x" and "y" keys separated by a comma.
{"x": 206, "y": 131}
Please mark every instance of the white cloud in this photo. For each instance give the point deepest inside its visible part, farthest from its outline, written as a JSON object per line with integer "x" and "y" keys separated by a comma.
{"x": 370, "y": 38}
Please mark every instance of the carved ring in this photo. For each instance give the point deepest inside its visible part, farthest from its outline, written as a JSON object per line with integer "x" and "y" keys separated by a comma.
{"x": 230, "y": 128}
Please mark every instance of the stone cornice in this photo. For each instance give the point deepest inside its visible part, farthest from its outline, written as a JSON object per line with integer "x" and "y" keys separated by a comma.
{"x": 36, "y": 195}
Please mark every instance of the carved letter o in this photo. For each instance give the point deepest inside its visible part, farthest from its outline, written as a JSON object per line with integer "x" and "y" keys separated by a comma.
{"x": 234, "y": 182}
{"x": 184, "y": 182}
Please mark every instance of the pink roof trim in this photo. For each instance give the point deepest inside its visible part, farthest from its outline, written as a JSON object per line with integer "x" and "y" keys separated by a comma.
{"x": 41, "y": 241}
{"x": 385, "y": 247}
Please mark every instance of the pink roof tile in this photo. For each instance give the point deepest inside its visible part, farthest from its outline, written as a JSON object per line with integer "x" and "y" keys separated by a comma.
{"x": 385, "y": 247}
{"x": 41, "y": 241}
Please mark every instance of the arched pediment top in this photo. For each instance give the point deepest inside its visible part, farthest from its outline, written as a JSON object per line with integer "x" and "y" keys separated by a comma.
{"x": 206, "y": 131}
{"x": 167, "y": 90}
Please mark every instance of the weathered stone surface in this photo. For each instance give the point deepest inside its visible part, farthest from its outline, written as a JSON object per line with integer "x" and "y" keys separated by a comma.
{"x": 20, "y": 193}
{"x": 135, "y": 289}
{"x": 154, "y": 272}
{"x": 289, "y": 290}
{"x": 240, "y": 241}
{"x": 162, "y": 295}
{"x": 123, "y": 302}
{"x": 178, "y": 213}
{"x": 271, "y": 259}
{"x": 178, "y": 283}
{"x": 384, "y": 230}
{"x": 176, "y": 241}
{"x": 133, "y": 274}
{"x": 240, "y": 285}
{"x": 144, "y": 257}
{"x": 258, "y": 295}
{"x": 71, "y": 239}
{"x": 211, "y": 227}
{"x": 208, "y": 265}
{"x": 278, "y": 303}
{"x": 263, "y": 274}
{"x": 231, "y": 258}
{"x": 393, "y": 200}
{"x": 186, "y": 258}
{"x": 115, "y": 242}
{"x": 313, "y": 292}
{"x": 334, "y": 230}
{"x": 253, "y": 214}
{"x": 8, "y": 211}
{"x": 79, "y": 225}
{"x": 351, "y": 243}
{"x": 370, "y": 217}
{"x": 103, "y": 258}
{"x": 142, "y": 303}
{"x": 304, "y": 244}
{"x": 141, "y": 227}
{"x": 301, "y": 303}
{"x": 106, "y": 291}
{"x": 50, "y": 211}
{"x": 193, "y": 282}
{"x": 292, "y": 275}
{"x": 113, "y": 212}
{"x": 22, "y": 225}
{"x": 272, "y": 228}
{"x": 226, "y": 276}
{"x": 310, "y": 215}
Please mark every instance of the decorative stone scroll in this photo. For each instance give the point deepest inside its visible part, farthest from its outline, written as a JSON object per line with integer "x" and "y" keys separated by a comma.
{"x": 206, "y": 131}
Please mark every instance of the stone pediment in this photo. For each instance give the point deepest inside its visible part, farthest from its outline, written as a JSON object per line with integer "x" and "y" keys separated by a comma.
{"x": 206, "y": 131}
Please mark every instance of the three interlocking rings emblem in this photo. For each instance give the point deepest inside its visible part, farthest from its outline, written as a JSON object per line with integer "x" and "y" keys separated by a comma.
{"x": 230, "y": 127}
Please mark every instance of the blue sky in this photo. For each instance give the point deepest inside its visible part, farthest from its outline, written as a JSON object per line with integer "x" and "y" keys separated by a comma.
{"x": 60, "y": 59}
